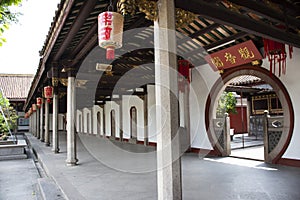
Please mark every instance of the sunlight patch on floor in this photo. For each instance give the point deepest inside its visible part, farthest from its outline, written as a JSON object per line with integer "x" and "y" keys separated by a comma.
{"x": 241, "y": 162}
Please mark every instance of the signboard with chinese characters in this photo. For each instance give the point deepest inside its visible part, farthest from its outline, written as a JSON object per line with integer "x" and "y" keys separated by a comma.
{"x": 239, "y": 54}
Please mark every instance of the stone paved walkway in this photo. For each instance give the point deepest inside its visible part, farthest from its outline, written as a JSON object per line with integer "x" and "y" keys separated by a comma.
{"x": 18, "y": 180}
{"x": 109, "y": 170}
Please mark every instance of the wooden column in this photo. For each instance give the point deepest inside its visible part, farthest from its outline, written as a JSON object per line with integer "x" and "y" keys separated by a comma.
{"x": 42, "y": 136}
{"x": 166, "y": 92}
{"x": 71, "y": 136}
{"x": 37, "y": 123}
{"x": 47, "y": 134}
{"x": 30, "y": 124}
{"x": 55, "y": 137}
{"x": 33, "y": 132}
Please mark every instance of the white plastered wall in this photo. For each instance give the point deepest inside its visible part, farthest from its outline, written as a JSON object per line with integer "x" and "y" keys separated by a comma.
{"x": 291, "y": 82}
{"x": 127, "y": 103}
{"x": 61, "y": 122}
{"x": 79, "y": 124}
{"x": 151, "y": 114}
{"x": 87, "y": 120}
{"x": 203, "y": 78}
{"x": 181, "y": 109}
{"x": 109, "y": 106}
{"x": 97, "y": 109}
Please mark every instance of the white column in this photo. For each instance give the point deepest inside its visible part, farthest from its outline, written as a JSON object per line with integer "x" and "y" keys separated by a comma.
{"x": 33, "y": 132}
{"x": 47, "y": 134}
{"x": 55, "y": 147}
{"x": 166, "y": 92}
{"x": 30, "y": 124}
{"x": 37, "y": 123}
{"x": 42, "y": 136}
{"x": 71, "y": 137}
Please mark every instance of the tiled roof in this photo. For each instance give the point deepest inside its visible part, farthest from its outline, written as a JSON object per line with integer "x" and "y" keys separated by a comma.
{"x": 244, "y": 80}
{"x": 15, "y": 86}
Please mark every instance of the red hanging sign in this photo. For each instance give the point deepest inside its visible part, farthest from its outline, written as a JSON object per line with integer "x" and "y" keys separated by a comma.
{"x": 39, "y": 102}
{"x": 184, "y": 74}
{"x": 48, "y": 93}
{"x": 236, "y": 55}
{"x": 275, "y": 51}
{"x": 110, "y": 28}
{"x": 105, "y": 22}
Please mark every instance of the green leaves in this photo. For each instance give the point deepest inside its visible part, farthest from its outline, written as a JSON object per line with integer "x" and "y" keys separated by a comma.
{"x": 9, "y": 113}
{"x": 226, "y": 104}
{"x": 7, "y": 16}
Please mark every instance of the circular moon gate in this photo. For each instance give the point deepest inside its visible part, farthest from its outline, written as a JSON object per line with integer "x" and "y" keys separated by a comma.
{"x": 280, "y": 90}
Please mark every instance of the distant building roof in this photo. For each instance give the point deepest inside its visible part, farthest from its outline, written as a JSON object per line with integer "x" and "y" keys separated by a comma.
{"x": 244, "y": 80}
{"x": 15, "y": 86}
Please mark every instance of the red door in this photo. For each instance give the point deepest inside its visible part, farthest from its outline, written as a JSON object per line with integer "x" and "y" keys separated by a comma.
{"x": 238, "y": 121}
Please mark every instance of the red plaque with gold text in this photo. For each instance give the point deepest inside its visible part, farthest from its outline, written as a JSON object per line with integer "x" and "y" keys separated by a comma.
{"x": 236, "y": 55}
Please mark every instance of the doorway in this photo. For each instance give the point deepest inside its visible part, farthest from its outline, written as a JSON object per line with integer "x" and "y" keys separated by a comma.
{"x": 262, "y": 92}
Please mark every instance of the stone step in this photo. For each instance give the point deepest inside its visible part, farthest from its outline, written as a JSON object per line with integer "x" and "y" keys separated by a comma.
{"x": 11, "y": 151}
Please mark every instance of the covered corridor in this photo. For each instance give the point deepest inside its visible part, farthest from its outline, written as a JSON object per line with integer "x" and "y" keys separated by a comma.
{"x": 203, "y": 178}
{"x": 160, "y": 88}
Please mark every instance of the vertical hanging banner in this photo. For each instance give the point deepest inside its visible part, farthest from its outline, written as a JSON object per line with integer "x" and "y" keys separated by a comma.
{"x": 236, "y": 55}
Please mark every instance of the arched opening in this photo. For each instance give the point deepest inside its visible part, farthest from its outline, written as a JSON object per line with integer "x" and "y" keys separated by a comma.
{"x": 113, "y": 123}
{"x": 246, "y": 98}
{"x": 277, "y": 103}
{"x": 133, "y": 122}
{"x": 99, "y": 123}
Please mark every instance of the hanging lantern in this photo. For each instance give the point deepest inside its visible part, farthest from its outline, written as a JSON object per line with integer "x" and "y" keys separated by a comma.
{"x": 276, "y": 53}
{"x": 34, "y": 107}
{"x": 184, "y": 74}
{"x": 39, "y": 102}
{"x": 48, "y": 93}
{"x": 110, "y": 29}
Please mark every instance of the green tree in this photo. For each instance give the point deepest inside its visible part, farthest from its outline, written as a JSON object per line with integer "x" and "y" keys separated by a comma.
{"x": 9, "y": 113}
{"x": 226, "y": 104}
{"x": 7, "y": 16}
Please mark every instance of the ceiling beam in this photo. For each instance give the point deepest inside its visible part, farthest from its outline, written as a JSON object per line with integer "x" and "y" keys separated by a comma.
{"x": 87, "y": 37}
{"x": 259, "y": 8}
{"x": 225, "y": 40}
{"x": 140, "y": 21}
{"x": 84, "y": 12}
{"x": 225, "y": 16}
{"x": 204, "y": 30}
{"x": 288, "y": 4}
